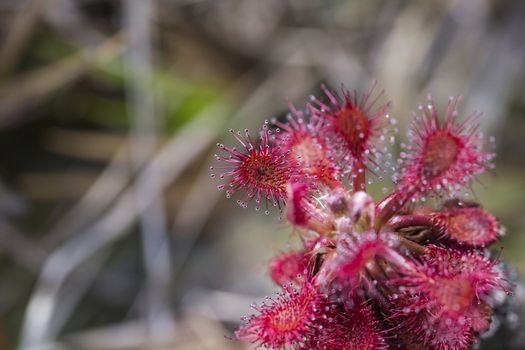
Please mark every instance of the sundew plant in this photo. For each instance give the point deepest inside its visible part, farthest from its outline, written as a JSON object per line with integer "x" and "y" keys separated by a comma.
{"x": 407, "y": 271}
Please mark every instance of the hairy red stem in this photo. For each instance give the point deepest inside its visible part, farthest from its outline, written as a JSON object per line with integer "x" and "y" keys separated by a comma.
{"x": 359, "y": 179}
{"x": 389, "y": 206}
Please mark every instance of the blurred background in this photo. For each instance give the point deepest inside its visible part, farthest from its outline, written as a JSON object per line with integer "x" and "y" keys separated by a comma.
{"x": 112, "y": 233}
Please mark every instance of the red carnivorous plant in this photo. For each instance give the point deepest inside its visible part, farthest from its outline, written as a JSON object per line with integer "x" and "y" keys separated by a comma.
{"x": 410, "y": 271}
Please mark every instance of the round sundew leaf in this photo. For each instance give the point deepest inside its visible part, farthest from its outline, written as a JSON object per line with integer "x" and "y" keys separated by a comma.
{"x": 472, "y": 226}
{"x": 260, "y": 170}
{"x": 356, "y": 128}
{"x": 288, "y": 267}
{"x": 287, "y": 320}
{"x": 442, "y": 157}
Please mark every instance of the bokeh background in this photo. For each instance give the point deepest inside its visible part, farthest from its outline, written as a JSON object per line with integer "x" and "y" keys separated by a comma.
{"x": 112, "y": 233}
